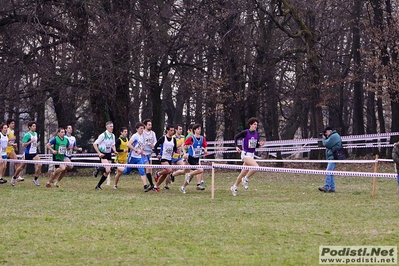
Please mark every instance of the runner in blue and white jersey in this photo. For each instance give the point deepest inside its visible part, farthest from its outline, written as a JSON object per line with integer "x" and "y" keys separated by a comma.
{"x": 136, "y": 155}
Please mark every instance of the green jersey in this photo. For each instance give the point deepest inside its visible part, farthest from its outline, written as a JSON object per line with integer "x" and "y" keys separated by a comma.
{"x": 60, "y": 145}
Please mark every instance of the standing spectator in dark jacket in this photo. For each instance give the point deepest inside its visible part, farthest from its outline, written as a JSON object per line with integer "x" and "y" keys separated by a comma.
{"x": 331, "y": 140}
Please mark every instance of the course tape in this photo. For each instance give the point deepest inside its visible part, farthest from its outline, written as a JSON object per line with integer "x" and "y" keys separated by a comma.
{"x": 261, "y": 149}
{"x": 227, "y": 166}
{"x": 305, "y": 171}
{"x": 296, "y": 161}
{"x": 303, "y": 148}
{"x": 109, "y": 164}
{"x": 308, "y": 148}
{"x": 344, "y": 138}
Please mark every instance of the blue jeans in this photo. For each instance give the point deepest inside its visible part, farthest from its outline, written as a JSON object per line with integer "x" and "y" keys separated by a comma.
{"x": 330, "y": 184}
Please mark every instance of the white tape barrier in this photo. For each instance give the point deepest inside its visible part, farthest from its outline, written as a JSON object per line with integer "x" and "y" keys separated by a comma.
{"x": 226, "y": 166}
{"x": 302, "y": 148}
{"x": 306, "y": 145}
{"x": 307, "y": 148}
{"x": 315, "y": 140}
{"x": 109, "y": 164}
{"x": 304, "y": 171}
{"x": 297, "y": 161}
{"x": 309, "y": 144}
{"x": 76, "y": 156}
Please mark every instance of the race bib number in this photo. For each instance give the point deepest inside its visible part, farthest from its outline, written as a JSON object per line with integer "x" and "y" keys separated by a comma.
{"x": 139, "y": 147}
{"x": 169, "y": 151}
{"x": 108, "y": 148}
{"x": 252, "y": 143}
{"x": 61, "y": 150}
{"x": 69, "y": 152}
{"x": 197, "y": 152}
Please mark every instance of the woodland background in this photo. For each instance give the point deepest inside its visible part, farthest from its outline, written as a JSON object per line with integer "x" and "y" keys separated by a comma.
{"x": 296, "y": 65}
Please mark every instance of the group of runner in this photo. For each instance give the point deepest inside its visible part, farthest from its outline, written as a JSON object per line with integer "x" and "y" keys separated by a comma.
{"x": 8, "y": 148}
{"x": 171, "y": 149}
{"x": 61, "y": 146}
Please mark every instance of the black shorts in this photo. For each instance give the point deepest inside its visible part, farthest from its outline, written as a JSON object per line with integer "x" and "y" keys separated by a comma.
{"x": 107, "y": 156}
{"x": 165, "y": 160}
{"x": 29, "y": 156}
{"x": 193, "y": 161}
{"x": 57, "y": 165}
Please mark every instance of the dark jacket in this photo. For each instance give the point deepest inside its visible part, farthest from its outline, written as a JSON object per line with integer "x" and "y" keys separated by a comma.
{"x": 395, "y": 155}
{"x": 332, "y": 142}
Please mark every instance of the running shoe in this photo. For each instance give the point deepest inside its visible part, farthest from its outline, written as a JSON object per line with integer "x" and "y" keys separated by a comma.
{"x": 95, "y": 172}
{"x": 157, "y": 189}
{"x": 183, "y": 190}
{"x": 199, "y": 187}
{"x": 233, "y": 190}
{"x": 156, "y": 176}
{"x": 148, "y": 188}
{"x": 98, "y": 188}
{"x": 36, "y": 182}
{"x": 245, "y": 182}
{"x": 20, "y": 179}
{"x": 3, "y": 181}
{"x": 13, "y": 181}
{"x": 188, "y": 177}
{"x": 115, "y": 187}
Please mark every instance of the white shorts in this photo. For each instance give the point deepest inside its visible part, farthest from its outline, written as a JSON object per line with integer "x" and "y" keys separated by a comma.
{"x": 247, "y": 154}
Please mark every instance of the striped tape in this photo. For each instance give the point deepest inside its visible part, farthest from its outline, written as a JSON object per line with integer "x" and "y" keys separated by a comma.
{"x": 232, "y": 167}
{"x": 305, "y": 171}
{"x": 315, "y": 140}
{"x": 108, "y": 164}
{"x": 299, "y": 161}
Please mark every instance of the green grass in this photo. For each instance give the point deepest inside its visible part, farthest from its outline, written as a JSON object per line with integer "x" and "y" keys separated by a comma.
{"x": 281, "y": 220}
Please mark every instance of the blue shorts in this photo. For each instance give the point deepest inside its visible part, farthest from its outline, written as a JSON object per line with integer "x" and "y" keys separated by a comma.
{"x": 134, "y": 161}
{"x": 146, "y": 158}
{"x": 175, "y": 160}
{"x": 4, "y": 156}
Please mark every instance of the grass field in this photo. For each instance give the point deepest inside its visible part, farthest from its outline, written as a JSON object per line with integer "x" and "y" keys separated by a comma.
{"x": 281, "y": 220}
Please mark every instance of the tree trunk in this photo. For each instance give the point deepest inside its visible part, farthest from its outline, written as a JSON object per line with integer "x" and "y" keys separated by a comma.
{"x": 358, "y": 99}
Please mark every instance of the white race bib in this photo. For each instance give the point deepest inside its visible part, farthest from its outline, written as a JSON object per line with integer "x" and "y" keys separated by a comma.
{"x": 252, "y": 143}
{"x": 61, "y": 150}
{"x": 197, "y": 152}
